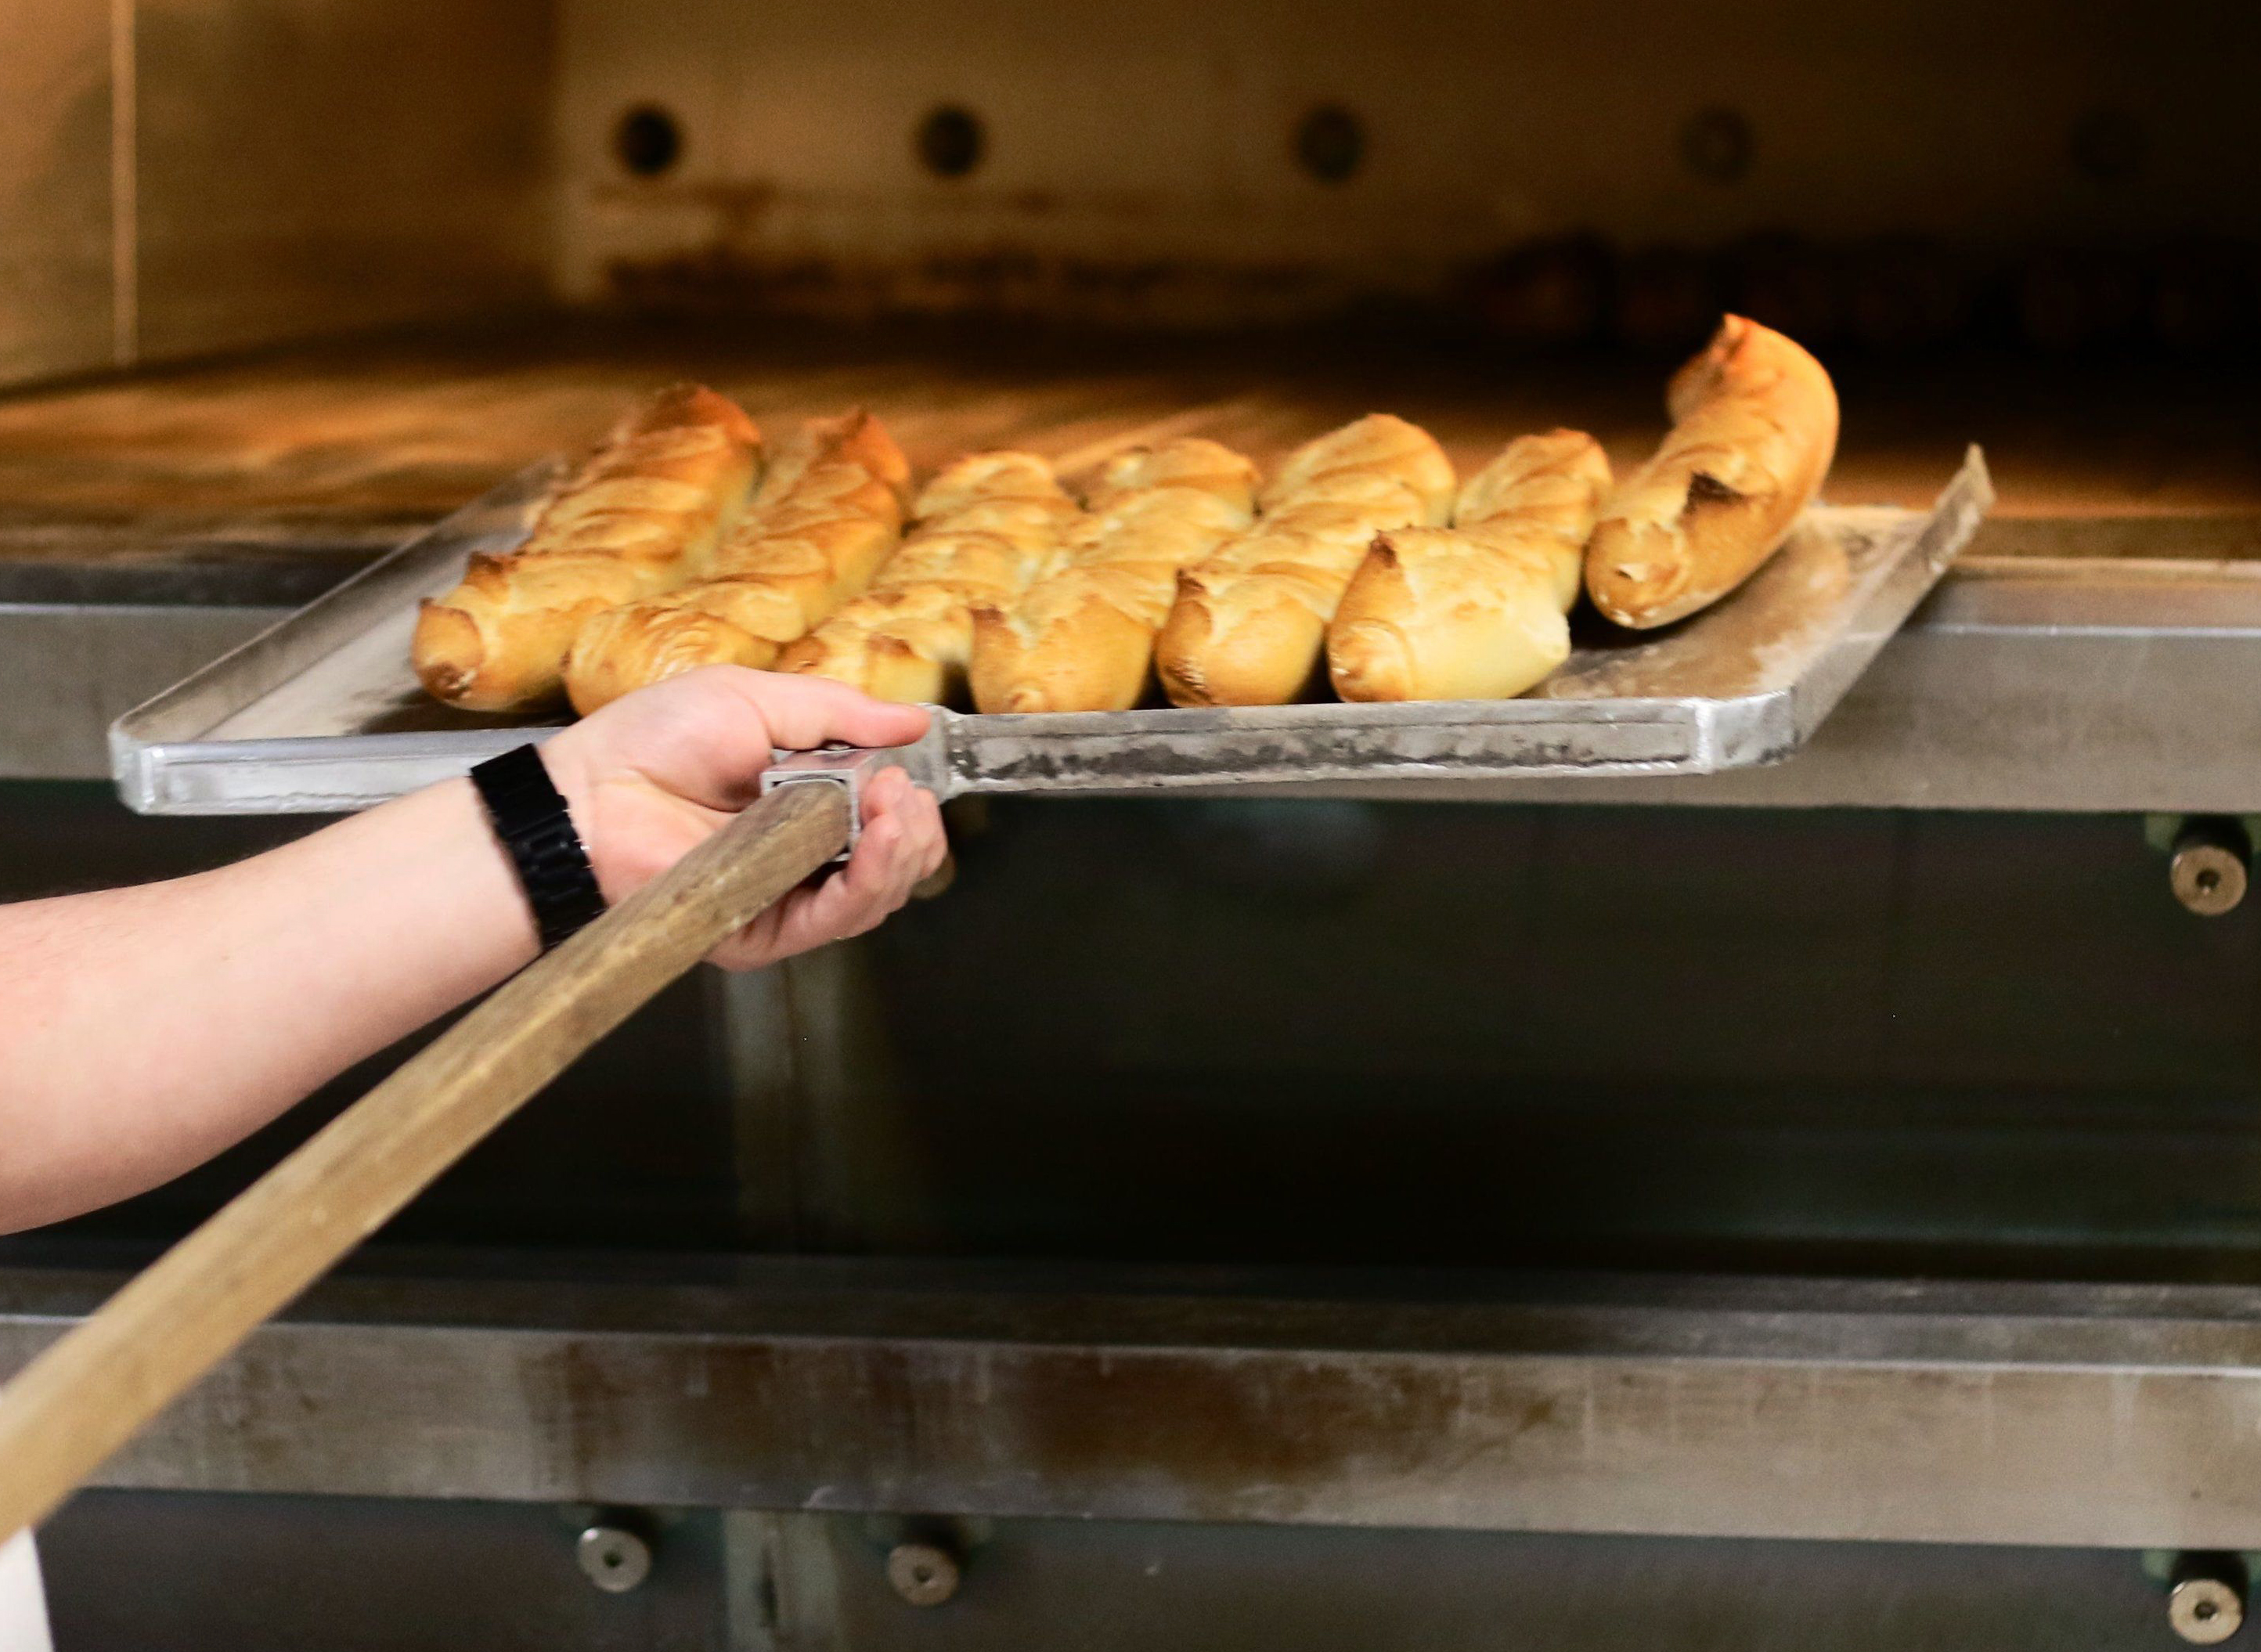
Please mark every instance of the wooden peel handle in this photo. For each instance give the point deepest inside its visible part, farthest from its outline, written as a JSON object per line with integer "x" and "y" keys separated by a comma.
{"x": 90, "y": 1393}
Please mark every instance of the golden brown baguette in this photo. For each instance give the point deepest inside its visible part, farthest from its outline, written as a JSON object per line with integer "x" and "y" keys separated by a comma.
{"x": 1378, "y": 445}
{"x": 637, "y": 518}
{"x": 1557, "y": 482}
{"x": 1755, "y": 427}
{"x": 1191, "y": 462}
{"x": 1083, "y": 638}
{"x": 1249, "y": 624}
{"x": 826, "y": 518}
{"x": 1476, "y": 611}
{"x": 988, "y": 524}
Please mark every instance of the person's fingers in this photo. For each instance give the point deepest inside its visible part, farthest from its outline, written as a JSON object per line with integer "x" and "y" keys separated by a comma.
{"x": 876, "y": 881}
{"x": 756, "y": 947}
{"x": 925, "y": 841}
{"x": 803, "y": 921}
{"x": 857, "y": 898}
{"x": 727, "y": 719}
{"x": 894, "y": 792}
{"x": 920, "y": 817}
{"x": 929, "y": 831}
{"x": 704, "y": 738}
{"x": 804, "y": 712}
{"x": 885, "y": 793}
{"x": 809, "y": 918}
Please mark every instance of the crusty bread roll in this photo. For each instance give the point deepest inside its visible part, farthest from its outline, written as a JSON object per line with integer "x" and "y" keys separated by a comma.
{"x": 1755, "y": 427}
{"x": 826, "y": 516}
{"x": 1083, "y": 638}
{"x": 1476, "y": 611}
{"x": 1380, "y": 444}
{"x": 1556, "y": 483}
{"x": 1250, "y": 619}
{"x": 637, "y": 518}
{"x": 1193, "y": 462}
{"x": 988, "y": 524}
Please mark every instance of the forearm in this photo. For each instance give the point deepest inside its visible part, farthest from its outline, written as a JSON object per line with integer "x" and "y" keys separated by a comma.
{"x": 146, "y": 1029}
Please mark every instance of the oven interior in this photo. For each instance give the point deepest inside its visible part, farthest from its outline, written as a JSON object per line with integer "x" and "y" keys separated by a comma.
{"x": 281, "y": 280}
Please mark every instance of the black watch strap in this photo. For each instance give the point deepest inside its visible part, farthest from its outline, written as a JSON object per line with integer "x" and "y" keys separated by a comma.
{"x": 530, "y": 817}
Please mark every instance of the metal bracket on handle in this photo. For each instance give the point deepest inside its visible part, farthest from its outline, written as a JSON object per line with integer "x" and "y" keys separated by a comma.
{"x": 854, "y": 767}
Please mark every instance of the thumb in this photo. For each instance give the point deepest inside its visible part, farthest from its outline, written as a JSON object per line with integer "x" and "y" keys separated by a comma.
{"x": 802, "y": 713}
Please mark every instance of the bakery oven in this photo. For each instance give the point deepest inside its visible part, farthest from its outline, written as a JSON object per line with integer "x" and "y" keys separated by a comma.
{"x": 1807, "y": 1204}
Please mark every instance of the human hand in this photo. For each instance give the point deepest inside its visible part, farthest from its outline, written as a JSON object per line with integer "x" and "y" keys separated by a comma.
{"x": 656, "y": 772}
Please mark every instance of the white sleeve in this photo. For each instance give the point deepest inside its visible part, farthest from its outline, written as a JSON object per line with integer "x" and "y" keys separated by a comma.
{"x": 23, "y": 1601}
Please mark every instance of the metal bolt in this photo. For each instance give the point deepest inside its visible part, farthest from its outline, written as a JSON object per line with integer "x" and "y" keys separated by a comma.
{"x": 2205, "y": 1611}
{"x": 614, "y": 1559}
{"x": 2208, "y": 872}
{"x": 922, "y": 1574}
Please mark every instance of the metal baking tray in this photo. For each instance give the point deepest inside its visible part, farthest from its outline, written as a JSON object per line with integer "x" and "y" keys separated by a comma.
{"x": 321, "y": 714}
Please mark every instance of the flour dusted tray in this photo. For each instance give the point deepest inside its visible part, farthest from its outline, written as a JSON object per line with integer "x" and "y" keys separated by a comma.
{"x": 321, "y": 713}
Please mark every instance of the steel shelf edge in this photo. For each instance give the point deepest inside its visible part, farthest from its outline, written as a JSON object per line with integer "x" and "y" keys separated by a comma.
{"x": 1997, "y": 1414}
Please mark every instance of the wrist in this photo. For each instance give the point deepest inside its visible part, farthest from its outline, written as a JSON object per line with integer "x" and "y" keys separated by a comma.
{"x": 575, "y": 779}
{"x": 485, "y": 881}
{"x": 534, "y": 823}
{"x": 568, "y": 773}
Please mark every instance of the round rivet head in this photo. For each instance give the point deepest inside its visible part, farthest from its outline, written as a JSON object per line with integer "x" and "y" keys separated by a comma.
{"x": 614, "y": 1559}
{"x": 647, "y": 139}
{"x": 922, "y": 1573}
{"x": 951, "y": 141}
{"x": 2207, "y": 878}
{"x": 1329, "y": 143}
{"x": 2205, "y": 1611}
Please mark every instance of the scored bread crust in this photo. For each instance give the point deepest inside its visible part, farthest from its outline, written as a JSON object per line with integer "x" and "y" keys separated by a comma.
{"x": 1378, "y": 444}
{"x": 1477, "y": 611}
{"x": 825, "y": 520}
{"x": 1083, "y": 638}
{"x": 1187, "y": 462}
{"x": 637, "y": 517}
{"x": 1248, "y": 627}
{"x": 987, "y": 526}
{"x": 1755, "y": 428}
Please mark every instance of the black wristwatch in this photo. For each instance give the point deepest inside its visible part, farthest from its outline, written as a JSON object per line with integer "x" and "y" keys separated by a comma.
{"x": 530, "y": 817}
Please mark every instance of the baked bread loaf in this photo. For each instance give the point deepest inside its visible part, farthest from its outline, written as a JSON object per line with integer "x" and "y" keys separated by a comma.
{"x": 826, "y": 516}
{"x": 1083, "y": 638}
{"x": 1249, "y": 623}
{"x": 988, "y": 526}
{"x": 1380, "y": 444}
{"x": 1755, "y": 427}
{"x": 1476, "y": 611}
{"x": 640, "y": 516}
{"x": 1193, "y": 462}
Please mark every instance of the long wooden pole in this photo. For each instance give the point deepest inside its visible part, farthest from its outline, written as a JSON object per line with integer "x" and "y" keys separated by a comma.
{"x": 90, "y": 1393}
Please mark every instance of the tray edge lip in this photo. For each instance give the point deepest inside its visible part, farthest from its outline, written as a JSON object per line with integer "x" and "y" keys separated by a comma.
{"x": 140, "y": 747}
{"x": 1753, "y": 729}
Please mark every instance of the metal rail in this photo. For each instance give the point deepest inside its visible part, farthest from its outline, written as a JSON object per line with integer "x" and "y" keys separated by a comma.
{"x": 2124, "y": 1417}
